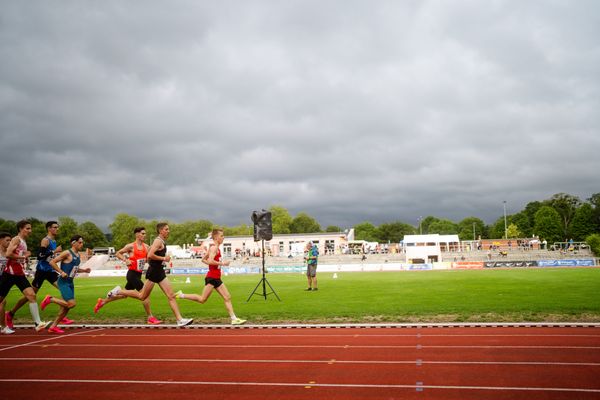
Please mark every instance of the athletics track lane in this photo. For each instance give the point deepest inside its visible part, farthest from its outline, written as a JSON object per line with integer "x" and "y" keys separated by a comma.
{"x": 303, "y": 363}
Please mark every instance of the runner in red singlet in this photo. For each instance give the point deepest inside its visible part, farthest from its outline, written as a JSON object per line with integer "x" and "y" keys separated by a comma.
{"x": 138, "y": 252}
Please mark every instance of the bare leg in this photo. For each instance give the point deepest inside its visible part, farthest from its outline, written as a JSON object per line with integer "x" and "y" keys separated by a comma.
{"x": 63, "y": 310}
{"x": 165, "y": 286}
{"x": 206, "y": 292}
{"x": 142, "y": 294}
{"x": 314, "y": 282}
{"x": 222, "y": 290}
{"x": 309, "y": 282}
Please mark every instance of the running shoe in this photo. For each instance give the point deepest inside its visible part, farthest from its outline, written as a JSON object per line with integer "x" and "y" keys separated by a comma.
{"x": 56, "y": 329}
{"x": 307, "y": 289}
{"x": 8, "y": 319}
{"x": 66, "y": 321}
{"x": 315, "y": 289}
{"x": 154, "y": 321}
{"x": 7, "y": 331}
{"x": 185, "y": 321}
{"x": 114, "y": 291}
{"x": 47, "y": 300}
{"x": 40, "y": 327}
{"x": 179, "y": 294}
{"x": 238, "y": 321}
{"x": 98, "y": 306}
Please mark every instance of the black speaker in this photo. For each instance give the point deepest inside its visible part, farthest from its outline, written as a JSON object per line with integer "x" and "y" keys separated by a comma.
{"x": 263, "y": 228}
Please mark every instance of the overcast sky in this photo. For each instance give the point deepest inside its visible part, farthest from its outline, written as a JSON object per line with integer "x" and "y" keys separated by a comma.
{"x": 346, "y": 110}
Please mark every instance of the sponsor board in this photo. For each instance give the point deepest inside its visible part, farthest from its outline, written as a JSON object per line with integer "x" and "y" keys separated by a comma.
{"x": 420, "y": 267}
{"x": 566, "y": 263}
{"x": 509, "y": 264}
{"x": 467, "y": 265}
{"x": 108, "y": 272}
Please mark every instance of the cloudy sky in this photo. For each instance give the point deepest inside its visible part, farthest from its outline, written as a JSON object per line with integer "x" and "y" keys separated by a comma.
{"x": 346, "y": 110}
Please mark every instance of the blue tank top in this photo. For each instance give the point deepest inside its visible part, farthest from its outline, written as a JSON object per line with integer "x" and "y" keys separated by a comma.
{"x": 71, "y": 268}
{"x": 44, "y": 264}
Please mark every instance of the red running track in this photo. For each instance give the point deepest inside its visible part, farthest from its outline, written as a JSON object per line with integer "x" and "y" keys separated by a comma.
{"x": 303, "y": 363}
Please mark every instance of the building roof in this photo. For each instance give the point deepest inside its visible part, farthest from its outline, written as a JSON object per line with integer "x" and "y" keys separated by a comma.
{"x": 431, "y": 238}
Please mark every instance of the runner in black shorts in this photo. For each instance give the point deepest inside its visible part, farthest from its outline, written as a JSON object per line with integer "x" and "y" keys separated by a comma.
{"x": 157, "y": 255}
{"x": 43, "y": 271}
{"x": 134, "y": 256}
{"x": 213, "y": 278}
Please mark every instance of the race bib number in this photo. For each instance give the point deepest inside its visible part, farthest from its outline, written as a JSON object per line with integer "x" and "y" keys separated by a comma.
{"x": 3, "y": 265}
{"x": 140, "y": 264}
{"x": 73, "y": 272}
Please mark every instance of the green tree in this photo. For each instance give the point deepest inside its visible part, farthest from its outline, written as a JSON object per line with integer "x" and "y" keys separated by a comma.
{"x": 240, "y": 230}
{"x": 122, "y": 229}
{"x": 333, "y": 228}
{"x": 523, "y": 224}
{"x": 594, "y": 242}
{"x": 496, "y": 230}
{"x": 548, "y": 224}
{"x": 513, "y": 231}
{"x": 92, "y": 235}
{"x": 595, "y": 202}
{"x": 582, "y": 224}
{"x": 566, "y": 205}
{"x": 465, "y": 228}
{"x": 443, "y": 227}
{"x": 281, "y": 220}
{"x": 366, "y": 231}
{"x": 8, "y": 226}
{"x": 68, "y": 228}
{"x": 425, "y": 223}
{"x": 185, "y": 233}
{"x": 304, "y": 223}
{"x": 38, "y": 232}
{"x": 530, "y": 209}
{"x": 393, "y": 232}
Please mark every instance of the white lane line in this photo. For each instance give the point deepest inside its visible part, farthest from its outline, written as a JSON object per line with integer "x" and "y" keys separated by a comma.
{"x": 341, "y": 346}
{"x": 353, "y": 335}
{"x": 303, "y": 384}
{"x": 279, "y": 361}
{"x": 37, "y": 342}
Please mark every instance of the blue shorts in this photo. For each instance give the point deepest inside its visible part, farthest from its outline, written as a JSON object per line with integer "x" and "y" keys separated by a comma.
{"x": 66, "y": 287}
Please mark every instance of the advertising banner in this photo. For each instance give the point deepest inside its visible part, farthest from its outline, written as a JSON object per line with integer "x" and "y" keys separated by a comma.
{"x": 467, "y": 265}
{"x": 510, "y": 264}
{"x": 566, "y": 263}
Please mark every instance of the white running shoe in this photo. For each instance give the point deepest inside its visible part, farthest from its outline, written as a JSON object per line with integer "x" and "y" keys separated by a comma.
{"x": 114, "y": 291}
{"x": 185, "y": 321}
{"x": 7, "y": 331}
{"x": 41, "y": 326}
{"x": 179, "y": 294}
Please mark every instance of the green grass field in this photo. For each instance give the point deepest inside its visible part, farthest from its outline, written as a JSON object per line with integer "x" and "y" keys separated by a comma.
{"x": 567, "y": 294}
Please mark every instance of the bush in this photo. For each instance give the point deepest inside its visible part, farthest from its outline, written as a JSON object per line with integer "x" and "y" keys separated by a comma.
{"x": 594, "y": 242}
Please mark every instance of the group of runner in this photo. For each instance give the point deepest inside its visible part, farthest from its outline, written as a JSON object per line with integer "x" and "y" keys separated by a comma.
{"x": 59, "y": 268}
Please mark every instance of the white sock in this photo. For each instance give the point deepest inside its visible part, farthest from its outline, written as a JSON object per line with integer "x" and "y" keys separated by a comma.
{"x": 233, "y": 317}
{"x": 35, "y": 312}
{"x": 182, "y": 296}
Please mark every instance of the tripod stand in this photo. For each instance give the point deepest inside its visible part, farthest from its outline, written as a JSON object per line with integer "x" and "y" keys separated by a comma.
{"x": 264, "y": 281}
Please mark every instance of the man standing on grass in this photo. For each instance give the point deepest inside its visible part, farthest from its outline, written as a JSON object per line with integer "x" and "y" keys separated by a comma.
{"x": 14, "y": 273}
{"x": 312, "y": 255}
{"x": 43, "y": 272}
{"x": 134, "y": 256}
{"x": 157, "y": 257}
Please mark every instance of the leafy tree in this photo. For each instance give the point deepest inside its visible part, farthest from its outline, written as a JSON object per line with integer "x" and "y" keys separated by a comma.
{"x": 185, "y": 233}
{"x": 281, "y": 220}
{"x": 565, "y": 205}
{"x": 122, "y": 229}
{"x": 68, "y": 228}
{"x": 530, "y": 209}
{"x": 443, "y": 227}
{"x": 8, "y": 226}
{"x": 425, "y": 223}
{"x": 304, "y": 223}
{"x": 366, "y": 231}
{"x": 513, "y": 231}
{"x": 333, "y": 228}
{"x": 465, "y": 228}
{"x": 595, "y": 202}
{"x": 548, "y": 224}
{"x": 583, "y": 222}
{"x": 393, "y": 232}
{"x": 92, "y": 235}
{"x": 594, "y": 242}
{"x": 240, "y": 230}
{"x": 496, "y": 230}
{"x": 522, "y": 223}
{"x": 38, "y": 232}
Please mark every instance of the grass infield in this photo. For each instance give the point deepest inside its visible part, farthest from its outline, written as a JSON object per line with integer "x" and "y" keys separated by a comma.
{"x": 508, "y": 295}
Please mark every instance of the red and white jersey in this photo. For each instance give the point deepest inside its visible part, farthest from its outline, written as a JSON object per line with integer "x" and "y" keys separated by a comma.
{"x": 17, "y": 267}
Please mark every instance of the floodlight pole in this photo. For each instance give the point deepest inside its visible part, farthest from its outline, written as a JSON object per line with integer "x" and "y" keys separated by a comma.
{"x": 505, "y": 226}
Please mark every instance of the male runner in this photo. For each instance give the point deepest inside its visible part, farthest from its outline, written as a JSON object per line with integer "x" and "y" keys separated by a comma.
{"x": 138, "y": 252}
{"x": 4, "y": 241}
{"x": 43, "y": 272}
{"x": 14, "y": 274}
{"x": 69, "y": 266}
{"x": 213, "y": 278}
{"x": 157, "y": 256}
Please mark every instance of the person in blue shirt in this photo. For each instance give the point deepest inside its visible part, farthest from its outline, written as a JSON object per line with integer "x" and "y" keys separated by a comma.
{"x": 69, "y": 267}
{"x": 311, "y": 257}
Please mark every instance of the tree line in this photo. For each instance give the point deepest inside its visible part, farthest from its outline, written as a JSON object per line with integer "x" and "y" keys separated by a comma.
{"x": 559, "y": 218}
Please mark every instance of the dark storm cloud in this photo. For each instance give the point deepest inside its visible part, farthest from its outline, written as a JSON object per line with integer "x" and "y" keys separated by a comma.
{"x": 350, "y": 111}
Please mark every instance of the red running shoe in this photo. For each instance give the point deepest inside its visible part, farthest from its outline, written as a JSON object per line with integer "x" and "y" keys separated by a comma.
{"x": 154, "y": 321}
{"x": 98, "y": 306}
{"x": 66, "y": 321}
{"x": 47, "y": 300}
{"x": 56, "y": 329}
